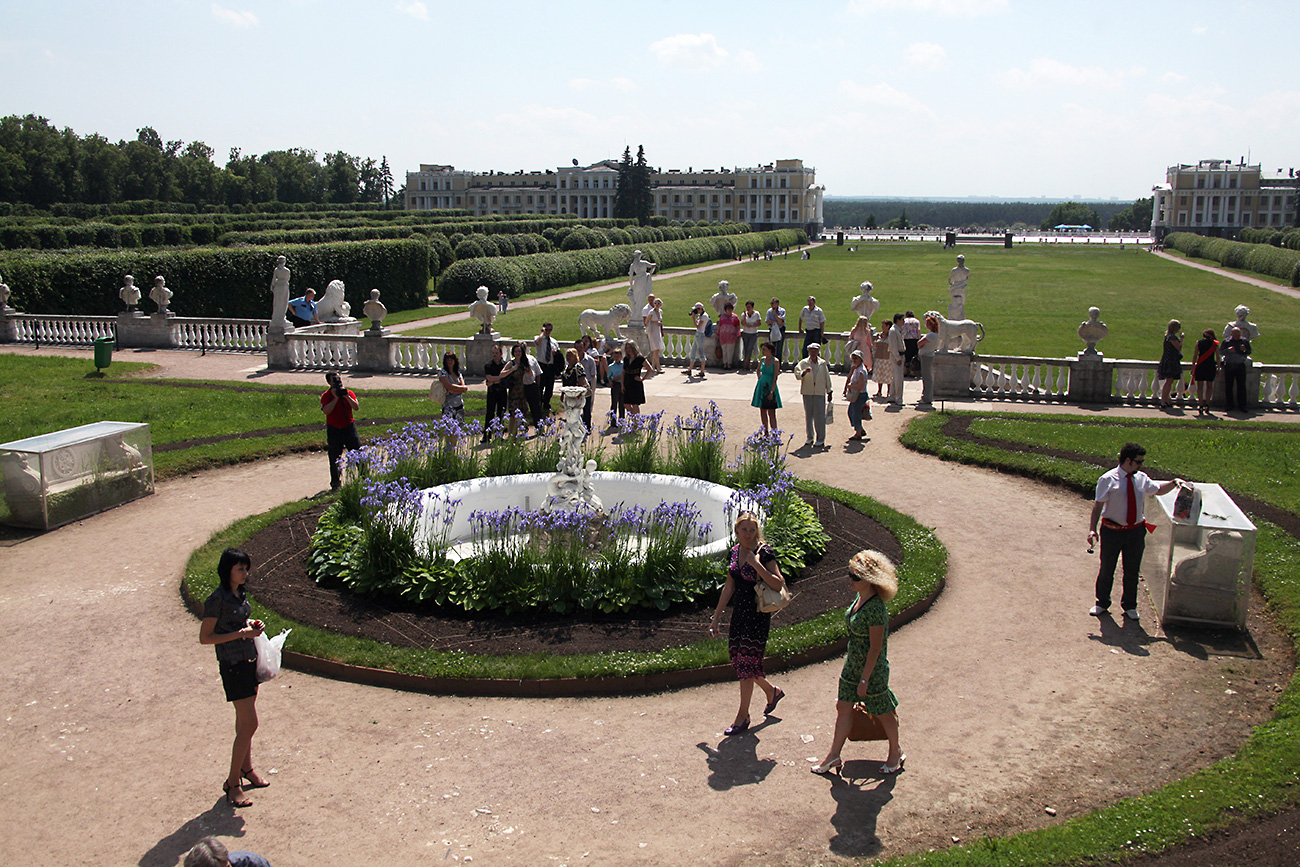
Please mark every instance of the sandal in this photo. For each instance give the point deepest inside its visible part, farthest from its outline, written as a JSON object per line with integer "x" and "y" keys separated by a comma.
{"x": 235, "y": 800}
{"x": 255, "y": 782}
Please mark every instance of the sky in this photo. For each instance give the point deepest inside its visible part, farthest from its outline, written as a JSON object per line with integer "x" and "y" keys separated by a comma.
{"x": 926, "y": 98}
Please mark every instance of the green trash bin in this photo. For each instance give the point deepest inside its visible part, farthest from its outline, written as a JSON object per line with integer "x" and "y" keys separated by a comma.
{"x": 103, "y": 352}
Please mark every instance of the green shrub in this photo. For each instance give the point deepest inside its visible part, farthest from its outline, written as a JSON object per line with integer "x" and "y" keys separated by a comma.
{"x": 469, "y": 249}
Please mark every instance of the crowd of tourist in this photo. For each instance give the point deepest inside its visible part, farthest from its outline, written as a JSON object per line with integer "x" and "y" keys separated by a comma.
{"x": 1212, "y": 358}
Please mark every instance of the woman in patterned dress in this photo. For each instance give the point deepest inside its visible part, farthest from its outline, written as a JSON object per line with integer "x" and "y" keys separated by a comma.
{"x": 751, "y": 561}
{"x": 865, "y": 678}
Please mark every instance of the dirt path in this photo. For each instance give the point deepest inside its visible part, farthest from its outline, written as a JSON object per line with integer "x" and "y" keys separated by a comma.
{"x": 1013, "y": 701}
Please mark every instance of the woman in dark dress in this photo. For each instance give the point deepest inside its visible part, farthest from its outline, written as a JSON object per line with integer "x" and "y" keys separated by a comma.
{"x": 498, "y": 389}
{"x": 865, "y": 678}
{"x": 634, "y": 371}
{"x": 751, "y": 561}
{"x": 1170, "y": 368}
{"x": 1204, "y": 369}
{"x": 226, "y": 625}
{"x": 521, "y": 387}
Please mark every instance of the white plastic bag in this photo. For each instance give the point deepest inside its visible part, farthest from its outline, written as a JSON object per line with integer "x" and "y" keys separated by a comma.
{"x": 268, "y": 655}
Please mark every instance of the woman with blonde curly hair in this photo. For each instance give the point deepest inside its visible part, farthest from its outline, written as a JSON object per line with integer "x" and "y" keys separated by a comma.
{"x": 865, "y": 678}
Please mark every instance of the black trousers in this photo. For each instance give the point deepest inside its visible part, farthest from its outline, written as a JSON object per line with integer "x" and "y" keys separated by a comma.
{"x": 1128, "y": 544}
{"x": 496, "y": 406}
{"x": 1234, "y": 378}
{"x": 813, "y": 335}
{"x": 337, "y": 441}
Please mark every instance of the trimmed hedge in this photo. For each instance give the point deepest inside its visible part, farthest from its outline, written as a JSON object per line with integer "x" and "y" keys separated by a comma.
{"x": 521, "y": 275}
{"x": 211, "y": 281}
{"x": 1260, "y": 258}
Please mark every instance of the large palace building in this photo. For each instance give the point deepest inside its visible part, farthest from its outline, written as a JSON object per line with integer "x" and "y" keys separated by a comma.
{"x": 1220, "y": 198}
{"x": 780, "y": 195}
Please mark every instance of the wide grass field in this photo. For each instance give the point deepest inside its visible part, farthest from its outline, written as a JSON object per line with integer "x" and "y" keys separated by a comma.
{"x": 1030, "y": 298}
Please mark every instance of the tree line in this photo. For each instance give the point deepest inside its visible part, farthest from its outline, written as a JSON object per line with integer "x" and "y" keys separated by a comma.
{"x": 904, "y": 214}
{"x": 41, "y": 165}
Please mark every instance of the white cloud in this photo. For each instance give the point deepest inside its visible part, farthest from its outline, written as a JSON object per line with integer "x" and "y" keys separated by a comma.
{"x": 233, "y": 18}
{"x": 1045, "y": 72}
{"x": 926, "y": 55}
{"x": 414, "y": 8}
{"x": 692, "y": 52}
{"x": 1173, "y": 78}
{"x": 593, "y": 85}
{"x": 1200, "y": 30}
{"x": 747, "y": 61}
{"x": 946, "y": 8}
{"x": 884, "y": 96}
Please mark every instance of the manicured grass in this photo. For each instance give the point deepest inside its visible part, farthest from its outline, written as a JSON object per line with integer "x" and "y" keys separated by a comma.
{"x": 918, "y": 576}
{"x": 52, "y": 393}
{"x": 1030, "y": 298}
{"x": 1263, "y": 774}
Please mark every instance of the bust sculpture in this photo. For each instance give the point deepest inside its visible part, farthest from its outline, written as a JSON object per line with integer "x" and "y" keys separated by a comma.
{"x": 1092, "y": 331}
{"x": 483, "y": 310}
{"x": 4, "y": 295}
{"x": 332, "y": 308}
{"x": 280, "y": 294}
{"x": 957, "y": 280}
{"x": 129, "y": 293}
{"x": 1249, "y": 330}
{"x": 161, "y": 295}
{"x": 639, "y": 272}
{"x": 375, "y": 310}
{"x": 865, "y": 305}
{"x": 723, "y": 297}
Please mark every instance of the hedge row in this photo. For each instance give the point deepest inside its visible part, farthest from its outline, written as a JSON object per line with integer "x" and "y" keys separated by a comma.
{"x": 521, "y": 275}
{"x": 218, "y": 282}
{"x": 1260, "y": 258}
{"x": 1289, "y": 237}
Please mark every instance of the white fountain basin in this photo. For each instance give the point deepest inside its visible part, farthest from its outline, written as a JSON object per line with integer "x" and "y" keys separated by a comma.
{"x": 529, "y": 491}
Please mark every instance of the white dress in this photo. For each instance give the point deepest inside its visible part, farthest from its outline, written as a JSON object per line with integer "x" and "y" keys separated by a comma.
{"x": 655, "y": 330}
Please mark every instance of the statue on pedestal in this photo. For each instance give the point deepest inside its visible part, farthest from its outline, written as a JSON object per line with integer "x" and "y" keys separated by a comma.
{"x": 1249, "y": 330}
{"x": 129, "y": 293}
{"x": 332, "y": 308}
{"x": 957, "y": 279}
{"x": 865, "y": 305}
{"x": 957, "y": 335}
{"x": 483, "y": 310}
{"x": 280, "y": 294}
{"x": 723, "y": 297}
{"x": 161, "y": 295}
{"x": 375, "y": 310}
{"x": 1091, "y": 332}
{"x": 639, "y": 272}
{"x": 4, "y": 296}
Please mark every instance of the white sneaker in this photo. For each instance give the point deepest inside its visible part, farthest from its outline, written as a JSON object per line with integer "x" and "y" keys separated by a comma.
{"x": 1098, "y": 611}
{"x": 1132, "y": 614}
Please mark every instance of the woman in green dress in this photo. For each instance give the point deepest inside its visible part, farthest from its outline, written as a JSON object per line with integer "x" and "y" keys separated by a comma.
{"x": 766, "y": 395}
{"x": 865, "y": 678}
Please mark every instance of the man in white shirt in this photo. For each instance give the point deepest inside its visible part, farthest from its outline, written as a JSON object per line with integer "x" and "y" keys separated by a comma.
{"x": 552, "y": 362}
{"x": 702, "y": 328}
{"x": 812, "y": 322}
{"x": 814, "y": 376}
{"x": 897, "y": 351}
{"x": 776, "y": 319}
{"x": 1119, "y": 504}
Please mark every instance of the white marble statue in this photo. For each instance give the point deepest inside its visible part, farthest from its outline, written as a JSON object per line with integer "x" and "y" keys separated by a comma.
{"x": 160, "y": 294}
{"x": 280, "y": 294}
{"x": 1092, "y": 331}
{"x": 1249, "y": 330}
{"x": 4, "y": 295}
{"x": 957, "y": 280}
{"x": 483, "y": 310}
{"x": 603, "y": 324}
{"x": 375, "y": 310}
{"x": 957, "y": 335}
{"x": 865, "y": 305}
{"x": 571, "y": 486}
{"x": 129, "y": 293}
{"x": 722, "y": 298}
{"x": 332, "y": 307}
{"x": 639, "y": 271}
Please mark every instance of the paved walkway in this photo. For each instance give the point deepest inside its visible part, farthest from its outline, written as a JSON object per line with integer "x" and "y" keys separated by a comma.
{"x": 1272, "y": 286}
{"x": 1013, "y": 699}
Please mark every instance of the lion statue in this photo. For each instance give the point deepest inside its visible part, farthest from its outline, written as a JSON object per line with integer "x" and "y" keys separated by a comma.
{"x": 332, "y": 307}
{"x": 600, "y": 324}
{"x": 957, "y": 335}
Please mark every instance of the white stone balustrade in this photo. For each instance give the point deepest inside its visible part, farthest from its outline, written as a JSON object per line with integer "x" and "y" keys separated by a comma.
{"x": 1007, "y": 376}
{"x": 237, "y": 335}
{"x": 66, "y": 330}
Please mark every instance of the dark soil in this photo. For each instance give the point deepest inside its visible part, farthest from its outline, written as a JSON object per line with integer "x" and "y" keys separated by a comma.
{"x": 280, "y": 581}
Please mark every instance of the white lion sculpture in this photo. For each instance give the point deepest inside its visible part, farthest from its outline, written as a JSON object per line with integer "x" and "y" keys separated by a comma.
{"x": 601, "y": 323}
{"x": 332, "y": 308}
{"x": 957, "y": 335}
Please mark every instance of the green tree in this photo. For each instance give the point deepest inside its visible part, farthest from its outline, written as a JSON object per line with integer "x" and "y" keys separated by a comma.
{"x": 385, "y": 180}
{"x": 1135, "y": 218}
{"x": 871, "y": 221}
{"x": 342, "y": 177}
{"x": 644, "y": 197}
{"x": 623, "y": 196}
{"x": 1072, "y": 214}
{"x": 899, "y": 222}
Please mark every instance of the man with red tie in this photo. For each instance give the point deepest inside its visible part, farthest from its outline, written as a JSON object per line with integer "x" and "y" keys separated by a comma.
{"x": 1121, "y": 494}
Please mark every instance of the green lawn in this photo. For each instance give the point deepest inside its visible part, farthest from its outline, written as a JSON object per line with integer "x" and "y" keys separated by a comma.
{"x": 1030, "y": 299}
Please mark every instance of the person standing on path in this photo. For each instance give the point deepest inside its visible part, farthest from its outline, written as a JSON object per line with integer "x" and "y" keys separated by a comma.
{"x": 812, "y": 322}
{"x": 864, "y": 679}
{"x": 1204, "y": 370}
{"x": 814, "y": 376}
{"x": 925, "y": 351}
{"x": 703, "y": 330}
{"x": 897, "y": 355}
{"x": 226, "y": 625}
{"x": 1170, "y": 368}
{"x": 552, "y": 362}
{"x": 855, "y": 392}
{"x": 1120, "y": 505}
{"x": 1236, "y": 361}
{"x": 767, "y": 397}
{"x": 653, "y": 319}
{"x": 911, "y": 339}
{"x": 338, "y": 404}
{"x": 751, "y": 561}
{"x": 453, "y": 406}
{"x": 775, "y": 321}
{"x": 749, "y": 322}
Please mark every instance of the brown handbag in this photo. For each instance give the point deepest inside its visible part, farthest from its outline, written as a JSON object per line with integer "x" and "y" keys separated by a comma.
{"x": 866, "y": 727}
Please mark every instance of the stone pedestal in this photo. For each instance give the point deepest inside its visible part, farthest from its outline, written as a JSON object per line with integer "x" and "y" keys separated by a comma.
{"x": 372, "y": 351}
{"x": 8, "y": 325}
{"x": 1090, "y": 379}
{"x": 146, "y": 332}
{"x": 635, "y": 331}
{"x": 951, "y": 372}
{"x": 479, "y": 352}
{"x": 343, "y": 326}
{"x": 277, "y": 348}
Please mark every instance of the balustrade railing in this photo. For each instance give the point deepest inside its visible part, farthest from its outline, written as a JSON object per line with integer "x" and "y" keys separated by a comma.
{"x": 1017, "y": 377}
{"x": 424, "y": 354}
{"x": 66, "y": 330}
{"x": 322, "y": 351}
{"x": 238, "y": 335}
